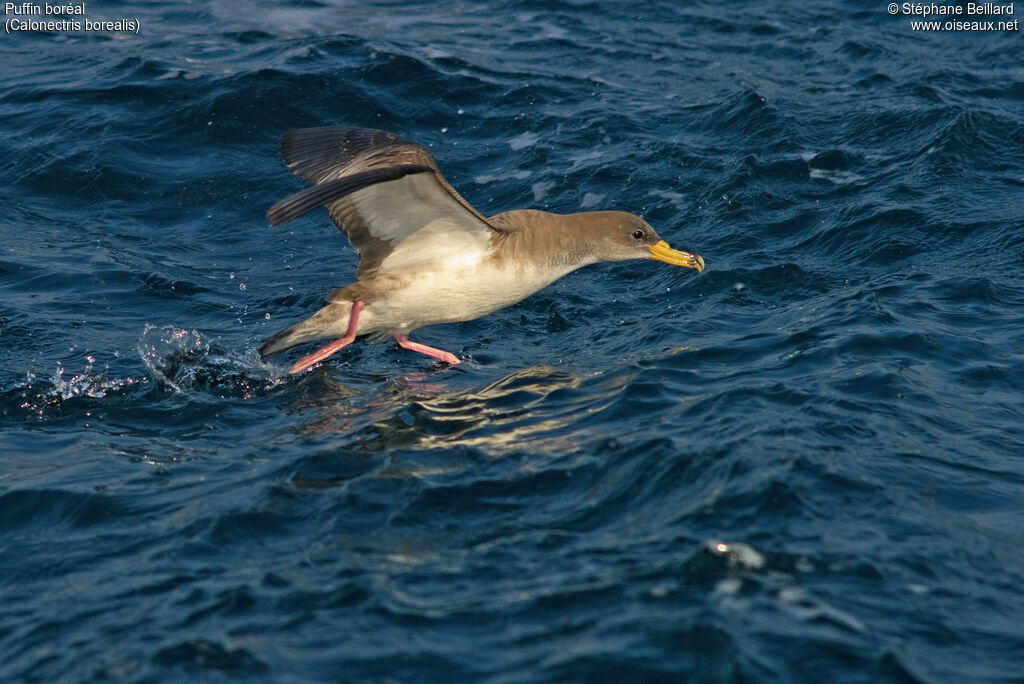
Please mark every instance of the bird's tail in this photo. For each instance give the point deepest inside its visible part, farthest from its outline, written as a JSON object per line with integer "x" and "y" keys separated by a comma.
{"x": 324, "y": 323}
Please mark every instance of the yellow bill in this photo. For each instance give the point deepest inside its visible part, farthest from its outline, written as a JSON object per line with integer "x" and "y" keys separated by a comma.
{"x": 662, "y": 252}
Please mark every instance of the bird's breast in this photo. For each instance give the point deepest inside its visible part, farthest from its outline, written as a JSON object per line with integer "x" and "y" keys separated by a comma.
{"x": 428, "y": 297}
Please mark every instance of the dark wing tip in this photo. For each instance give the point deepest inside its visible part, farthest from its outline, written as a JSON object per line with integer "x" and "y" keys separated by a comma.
{"x": 322, "y": 194}
{"x": 316, "y": 153}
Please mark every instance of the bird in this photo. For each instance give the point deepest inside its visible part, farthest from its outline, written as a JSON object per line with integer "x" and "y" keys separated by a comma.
{"x": 426, "y": 256}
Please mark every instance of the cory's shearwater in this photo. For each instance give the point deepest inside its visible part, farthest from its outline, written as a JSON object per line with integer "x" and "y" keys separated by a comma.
{"x": 426, "y": 256}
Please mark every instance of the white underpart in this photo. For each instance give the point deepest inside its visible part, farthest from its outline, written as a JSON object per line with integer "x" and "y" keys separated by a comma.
{"x": 429, "y": 297}
{"x": 443, "y": 245}
{"x": 427, "y": 226}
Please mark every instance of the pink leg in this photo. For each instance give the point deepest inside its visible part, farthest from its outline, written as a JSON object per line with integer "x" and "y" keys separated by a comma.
{"x": 405, "y": 343}
{"x": 322, "y": 353}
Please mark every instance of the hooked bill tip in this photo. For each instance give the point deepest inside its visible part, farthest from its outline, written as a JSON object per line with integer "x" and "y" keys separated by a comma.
{"x": 662, "y": 252}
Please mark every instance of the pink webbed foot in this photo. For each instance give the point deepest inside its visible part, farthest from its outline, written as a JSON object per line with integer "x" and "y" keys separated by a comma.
{"x": 405, "y": 343}
{"x": 324, "y": 352}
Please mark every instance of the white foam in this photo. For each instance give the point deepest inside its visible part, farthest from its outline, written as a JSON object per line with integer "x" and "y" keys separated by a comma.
{"x": 518, "y": 174}
{"x": 524, "y": 140}
{"x": 541, "y": 190}
{"x": 837, "y": 176}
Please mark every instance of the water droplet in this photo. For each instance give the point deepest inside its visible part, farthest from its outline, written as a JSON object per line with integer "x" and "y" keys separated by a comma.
{"x": 242, "y": 286}
{"x": 267, "y": 316}
{"x": 231, "y": 276}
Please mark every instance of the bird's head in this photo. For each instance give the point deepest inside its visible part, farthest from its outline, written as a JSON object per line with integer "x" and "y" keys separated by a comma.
{"x": 620, "y": 236}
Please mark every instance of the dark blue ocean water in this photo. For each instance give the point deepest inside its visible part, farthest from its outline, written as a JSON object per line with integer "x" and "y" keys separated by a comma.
{"x": 805, "y": 464}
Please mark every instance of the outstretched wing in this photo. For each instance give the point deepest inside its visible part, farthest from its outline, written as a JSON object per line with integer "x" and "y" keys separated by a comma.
{"x": 388, "y": 197}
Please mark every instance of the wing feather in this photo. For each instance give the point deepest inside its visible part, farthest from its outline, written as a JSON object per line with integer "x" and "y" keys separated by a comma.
{"x": 386, "y": 194}
{"x": 329, "y": 191}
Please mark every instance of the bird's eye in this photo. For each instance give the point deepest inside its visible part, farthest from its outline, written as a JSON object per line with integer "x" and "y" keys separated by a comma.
{"x": 639, "y": 234}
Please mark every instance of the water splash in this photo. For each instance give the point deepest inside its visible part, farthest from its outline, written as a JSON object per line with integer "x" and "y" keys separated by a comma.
{"x": 185, "y": 361}
{"x": 85, "y": 384}
{"x": 162, "y": 349}
{"x": 45, "y": 398}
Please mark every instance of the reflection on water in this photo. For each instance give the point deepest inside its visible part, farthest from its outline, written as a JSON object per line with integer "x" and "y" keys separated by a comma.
{"x": 540, "y": 409}
{"x": 529, "y": 406}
